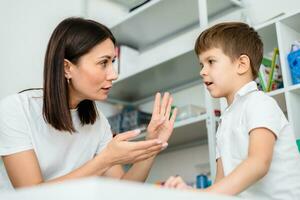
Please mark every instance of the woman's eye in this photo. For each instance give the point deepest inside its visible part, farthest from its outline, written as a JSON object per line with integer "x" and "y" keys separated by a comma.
{"x": 211, "y": 61}
{"x": 104, "y": 63}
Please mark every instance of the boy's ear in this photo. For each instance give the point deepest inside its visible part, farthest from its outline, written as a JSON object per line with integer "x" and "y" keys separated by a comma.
{"x": 243, "y": 64}
{"x": 67, "y": 69}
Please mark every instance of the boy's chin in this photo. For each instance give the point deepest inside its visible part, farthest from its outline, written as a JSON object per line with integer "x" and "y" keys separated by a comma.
{"x": 215, "y": 95}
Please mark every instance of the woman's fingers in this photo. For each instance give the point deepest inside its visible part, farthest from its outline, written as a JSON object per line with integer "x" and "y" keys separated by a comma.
{"x": 146, "y": 156}
{"x": 173, "y": 118}
{"x": 156, "y": 106}
{"x": 169, "y": 106}
{"x": 157, "y": 148}
{"x": 128, "y": 135}
{"x": 164, "y": 104}
{"x": 150, "y": 152}
{"x": 145, "y": 145}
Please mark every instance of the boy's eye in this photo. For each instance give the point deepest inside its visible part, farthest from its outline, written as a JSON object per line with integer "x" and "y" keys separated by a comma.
{"x": 211, "y": 61}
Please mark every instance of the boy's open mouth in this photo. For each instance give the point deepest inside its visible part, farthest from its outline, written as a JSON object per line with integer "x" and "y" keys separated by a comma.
{"x": 208, "y": 83}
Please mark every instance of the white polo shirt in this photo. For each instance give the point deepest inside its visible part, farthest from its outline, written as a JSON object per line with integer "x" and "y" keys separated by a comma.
{"x": 253, "y": 109}
{"x": 22, "y": 127}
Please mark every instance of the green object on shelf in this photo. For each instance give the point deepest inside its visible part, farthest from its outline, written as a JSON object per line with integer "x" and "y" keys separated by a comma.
{"x": 298, "y": 144}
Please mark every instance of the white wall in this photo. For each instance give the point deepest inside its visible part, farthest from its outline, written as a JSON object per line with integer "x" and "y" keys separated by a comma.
{"x": 24, "y": 33}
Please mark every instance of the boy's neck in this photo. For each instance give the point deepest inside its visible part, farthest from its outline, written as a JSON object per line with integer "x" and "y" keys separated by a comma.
{"x": 239, "y": 85}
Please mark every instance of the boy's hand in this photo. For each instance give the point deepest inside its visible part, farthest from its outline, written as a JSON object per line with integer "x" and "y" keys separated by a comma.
{"x": 176, "y": 182}
{"x": 161, "y": 125}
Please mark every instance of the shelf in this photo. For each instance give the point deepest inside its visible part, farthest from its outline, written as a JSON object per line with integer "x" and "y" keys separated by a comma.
{"x": 293, "y": 22}
{"x": 269, "y": 38}
{"x": 150, "y": 24}
{"x": 186, "y": 131}
{"x": 288, "y": 31}
{"x": 276, "y": 92}
{"x": 279, "y": 96}
{"x": 173, "y": 73}
{"x": 295, "y": 89}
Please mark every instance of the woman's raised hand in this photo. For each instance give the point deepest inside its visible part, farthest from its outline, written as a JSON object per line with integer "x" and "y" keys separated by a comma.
{"x": 122, "y": 151}
{"x": 161, "y": 124}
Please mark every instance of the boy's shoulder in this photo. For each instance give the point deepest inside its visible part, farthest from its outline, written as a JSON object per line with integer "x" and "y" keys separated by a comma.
{"x": 259, "y": 96}
{"x": 259, "y": 100}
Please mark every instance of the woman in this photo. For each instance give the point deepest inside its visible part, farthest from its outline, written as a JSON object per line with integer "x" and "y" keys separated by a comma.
{"x": 57, "y": 133}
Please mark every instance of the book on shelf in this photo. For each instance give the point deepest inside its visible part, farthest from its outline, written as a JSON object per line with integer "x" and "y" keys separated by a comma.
{"x": 269, "y": 75}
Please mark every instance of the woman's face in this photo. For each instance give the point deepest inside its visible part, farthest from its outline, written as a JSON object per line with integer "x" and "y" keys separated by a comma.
{"x": 91, "y": 78}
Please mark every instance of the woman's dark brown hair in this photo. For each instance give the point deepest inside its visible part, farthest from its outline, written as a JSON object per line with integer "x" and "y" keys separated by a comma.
{"x": 70, "y": 40}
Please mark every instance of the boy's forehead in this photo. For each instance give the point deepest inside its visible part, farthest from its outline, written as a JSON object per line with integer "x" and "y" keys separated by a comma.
{"x": 212, "y": 52}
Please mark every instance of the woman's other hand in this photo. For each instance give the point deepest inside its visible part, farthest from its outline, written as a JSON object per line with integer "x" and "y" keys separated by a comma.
{"x": 122, "y": 151}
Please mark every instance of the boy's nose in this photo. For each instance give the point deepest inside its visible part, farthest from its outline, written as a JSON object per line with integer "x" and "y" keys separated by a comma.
{"x": 202, "y": 72}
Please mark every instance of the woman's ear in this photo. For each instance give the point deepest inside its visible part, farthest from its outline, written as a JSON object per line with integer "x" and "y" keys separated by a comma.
{"x": 67, "y": 69}
{"x": 244, "y": 64}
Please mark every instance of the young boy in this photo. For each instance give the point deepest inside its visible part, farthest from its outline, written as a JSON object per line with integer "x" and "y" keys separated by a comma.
{"x": 256, "y": 152}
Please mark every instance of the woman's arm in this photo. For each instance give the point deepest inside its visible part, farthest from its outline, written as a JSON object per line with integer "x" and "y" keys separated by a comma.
{"x": 23, "y": 168}
{"x": 138, "y": 172}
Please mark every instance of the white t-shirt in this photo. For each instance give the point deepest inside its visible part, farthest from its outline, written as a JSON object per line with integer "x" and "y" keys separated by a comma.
{"x": 22, "y": 127}
{"x": 253, "y": 109}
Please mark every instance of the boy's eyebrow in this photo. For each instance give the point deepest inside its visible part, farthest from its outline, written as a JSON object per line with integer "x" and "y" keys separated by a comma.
{"x": 209, "y": 57}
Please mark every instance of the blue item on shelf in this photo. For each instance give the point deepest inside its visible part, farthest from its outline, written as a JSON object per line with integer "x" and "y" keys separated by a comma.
{"x": 294, "y": 63}
{"x": 298, "y": 144}
{"x": 202, "y": 181}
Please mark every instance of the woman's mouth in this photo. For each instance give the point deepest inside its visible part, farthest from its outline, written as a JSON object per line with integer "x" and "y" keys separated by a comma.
{"x": 106, "y": 89}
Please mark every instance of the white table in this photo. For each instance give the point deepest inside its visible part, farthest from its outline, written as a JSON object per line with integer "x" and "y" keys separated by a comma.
{"x": 102, "y": 188}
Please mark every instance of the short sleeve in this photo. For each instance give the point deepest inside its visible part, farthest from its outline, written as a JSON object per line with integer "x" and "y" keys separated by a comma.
{"x": 106, "y": 134}
{"x": 263, "y": 112}
{"x": 14, "y": 131}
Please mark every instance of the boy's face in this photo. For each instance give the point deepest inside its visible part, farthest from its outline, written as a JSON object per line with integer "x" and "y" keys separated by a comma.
{"x": 219, "y": 73}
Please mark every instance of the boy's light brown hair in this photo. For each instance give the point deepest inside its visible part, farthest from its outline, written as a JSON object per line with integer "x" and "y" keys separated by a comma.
{"x": 235, "y": 39}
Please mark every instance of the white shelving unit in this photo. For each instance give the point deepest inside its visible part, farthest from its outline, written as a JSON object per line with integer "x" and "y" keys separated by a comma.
{"x": 281, "y": 33}
{"x": 164, "y": 32}
{"x": 288, "y": 31}
{"x": 158, "y": 21}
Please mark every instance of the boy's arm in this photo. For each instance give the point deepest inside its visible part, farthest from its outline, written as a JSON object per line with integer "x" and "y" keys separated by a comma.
{"x": 252, "y": 169}
{"x": 220, "y": 172}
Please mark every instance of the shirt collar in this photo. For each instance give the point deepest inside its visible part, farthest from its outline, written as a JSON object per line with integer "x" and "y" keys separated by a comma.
{"x": 246, "y": 89}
